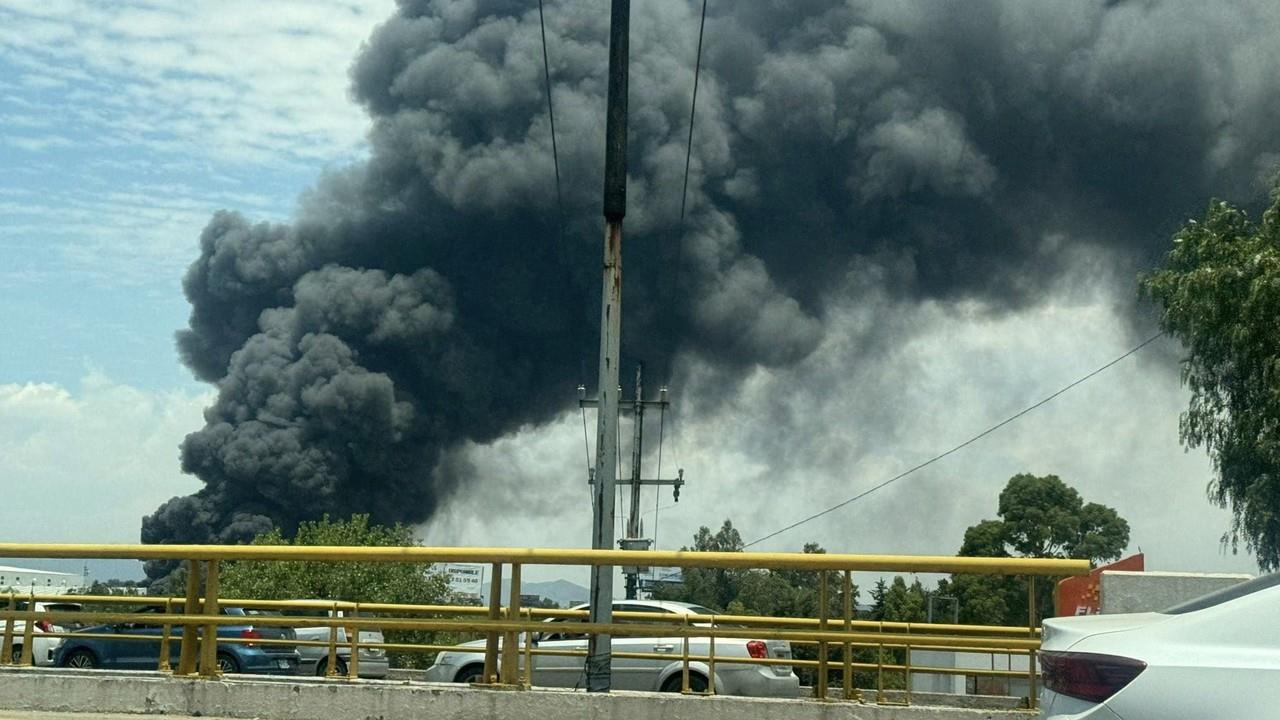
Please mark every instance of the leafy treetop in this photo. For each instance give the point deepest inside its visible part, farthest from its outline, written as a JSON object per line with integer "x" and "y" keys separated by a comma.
{"x": 1219, "y": 293}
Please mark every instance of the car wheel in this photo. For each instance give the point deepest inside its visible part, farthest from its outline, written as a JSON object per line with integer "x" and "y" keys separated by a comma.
{"x": 470, "y": 674}
{"x": 339, "y": 667}
{"x": 16, "y": 657}
{"x": 80, "y": 659}
{"x": 227, "y": 663}
{"x": 675, "y": 683}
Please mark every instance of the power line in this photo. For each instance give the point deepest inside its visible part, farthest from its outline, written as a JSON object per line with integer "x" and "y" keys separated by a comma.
{"x": 688, "y": 155}
{"x": 555, "y": 150}
{"x": 693, "y": 107}
{"x": 959, "y": 447}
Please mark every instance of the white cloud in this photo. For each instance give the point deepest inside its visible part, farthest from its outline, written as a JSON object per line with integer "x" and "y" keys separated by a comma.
{"x": 123, "y": 116}
{"x": 85, "y": 466}
{"x": 257, "y": 82}
{"x": 37, "y": 143}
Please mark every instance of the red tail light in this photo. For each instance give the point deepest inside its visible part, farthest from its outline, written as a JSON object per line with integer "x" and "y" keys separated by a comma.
{"x": 1088, "y": 676}
{"x": 250, "y": 634}
{"x": 757, "y": 649}
{"x": 44, "y": 625}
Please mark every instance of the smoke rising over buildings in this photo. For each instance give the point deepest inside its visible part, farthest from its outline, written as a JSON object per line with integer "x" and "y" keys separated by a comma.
{"x": 929, "y": 152}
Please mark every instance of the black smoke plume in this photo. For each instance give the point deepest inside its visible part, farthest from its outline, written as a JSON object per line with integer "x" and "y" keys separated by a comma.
{"x": 423, "y": 298}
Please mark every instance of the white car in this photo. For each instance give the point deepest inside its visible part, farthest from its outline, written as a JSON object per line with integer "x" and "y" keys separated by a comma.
{"x": 663, "y": 675}
{"x": 43, "y": 647}
{"x": 315, "y": 658}
{"x": 1214, "y": 658}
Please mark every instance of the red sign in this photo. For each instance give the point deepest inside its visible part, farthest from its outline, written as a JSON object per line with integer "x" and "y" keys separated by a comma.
{"x": 1079, "y": 595}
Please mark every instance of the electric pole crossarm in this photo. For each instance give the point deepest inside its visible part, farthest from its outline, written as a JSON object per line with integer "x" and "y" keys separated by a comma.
{"x": 646, "y": 403}
{"x": 628, "y": 481}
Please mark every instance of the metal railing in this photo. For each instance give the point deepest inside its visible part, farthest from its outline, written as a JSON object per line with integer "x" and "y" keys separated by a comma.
{"x": 510, "y": 631}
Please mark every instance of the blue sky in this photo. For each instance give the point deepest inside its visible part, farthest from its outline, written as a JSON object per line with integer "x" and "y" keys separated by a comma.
{"x": 124, "y": 125}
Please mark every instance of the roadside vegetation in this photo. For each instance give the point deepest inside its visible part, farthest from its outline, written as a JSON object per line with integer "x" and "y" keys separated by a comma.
{"x": 415, "y": 584}
{"x": 1219, "y": 294}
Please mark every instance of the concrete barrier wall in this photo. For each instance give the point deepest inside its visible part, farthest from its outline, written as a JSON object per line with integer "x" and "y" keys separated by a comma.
{"x": 297, "y": 699}
{"x": 1126, "y": 592}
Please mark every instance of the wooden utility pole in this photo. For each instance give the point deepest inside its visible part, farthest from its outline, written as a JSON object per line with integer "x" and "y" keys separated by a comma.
{"x": 599, "y": 655}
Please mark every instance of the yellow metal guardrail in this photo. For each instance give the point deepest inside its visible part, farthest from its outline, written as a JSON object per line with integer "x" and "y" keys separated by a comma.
{"x": 502, "y": 626}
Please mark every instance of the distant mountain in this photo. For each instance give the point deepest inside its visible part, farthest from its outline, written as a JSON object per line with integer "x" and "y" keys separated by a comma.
{"x": 563, "y": 592}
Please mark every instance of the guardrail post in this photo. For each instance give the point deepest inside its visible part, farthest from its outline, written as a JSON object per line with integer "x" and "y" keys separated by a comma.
{"x": 1032, "y": 700}
{"x": 906, "y": 673}
{"x": 209, "y": 639}
{"x": 847, "y": 680}
{"x": 820, "y": 687}
{"x": 6, "y": 648}
{"x": 353, "y": 667}
{"x": 880, "y": 669}
{"x": 190, "y": 644}
{"x": 684, "y": 682}
{"x": 509, "y": 668}
{"x": 711, "y": 659}
{"x": 28, "y": 631}
{"x": 495, "y": 613}
{"x": 331, "y": 668}
{"x": 165, "y": 632}
{"x": 528, "y": 653}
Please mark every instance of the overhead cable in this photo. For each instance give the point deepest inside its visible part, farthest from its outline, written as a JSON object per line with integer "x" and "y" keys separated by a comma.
{"x": 957, "y": 448}
{"x": 551, "y": 115}
{"x": 693, "y": 108}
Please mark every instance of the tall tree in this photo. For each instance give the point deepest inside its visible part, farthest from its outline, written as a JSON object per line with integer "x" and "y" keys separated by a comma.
{"x": 784, "y": 593}
{"x": 1219, "y": 291}
{"x": 1040, "y": 516}
{"x": 712, "y": 587}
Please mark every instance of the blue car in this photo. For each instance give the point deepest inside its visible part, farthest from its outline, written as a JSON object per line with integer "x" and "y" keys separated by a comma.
{"x": 125, "y": 653}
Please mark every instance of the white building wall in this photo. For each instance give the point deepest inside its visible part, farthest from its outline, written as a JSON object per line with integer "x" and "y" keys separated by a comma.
{"x": 40, "y": 582}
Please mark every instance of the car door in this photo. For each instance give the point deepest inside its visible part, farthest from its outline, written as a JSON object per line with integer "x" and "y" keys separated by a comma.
{"x": 138, "y": 644}
{"x": 561, "y": 670}
{"x": 311, "y": 655}
{"x": 640, "y": 673}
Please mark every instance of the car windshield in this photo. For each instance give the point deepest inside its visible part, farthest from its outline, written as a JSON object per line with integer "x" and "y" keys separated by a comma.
{"x": 1225, "y": 595}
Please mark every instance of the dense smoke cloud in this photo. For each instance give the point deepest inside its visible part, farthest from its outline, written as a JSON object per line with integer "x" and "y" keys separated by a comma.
{"x": 952, "y": 152}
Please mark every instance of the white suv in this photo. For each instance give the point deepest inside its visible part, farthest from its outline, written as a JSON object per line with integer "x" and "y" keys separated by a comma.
{"x": 43, "y": 647}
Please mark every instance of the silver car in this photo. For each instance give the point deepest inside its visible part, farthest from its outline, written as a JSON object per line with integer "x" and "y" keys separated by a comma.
{"x": 664, "y": 675}
{"x": 315, "y": 658}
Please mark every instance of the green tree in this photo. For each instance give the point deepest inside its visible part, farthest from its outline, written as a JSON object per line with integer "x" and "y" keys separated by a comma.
{"x": 407, "y": 583}
{"x": 785, "y": 593}
{"x": 1040, "y": 516}
{"x": 903, "y": 602}
{"x": 1219, "y": 293}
